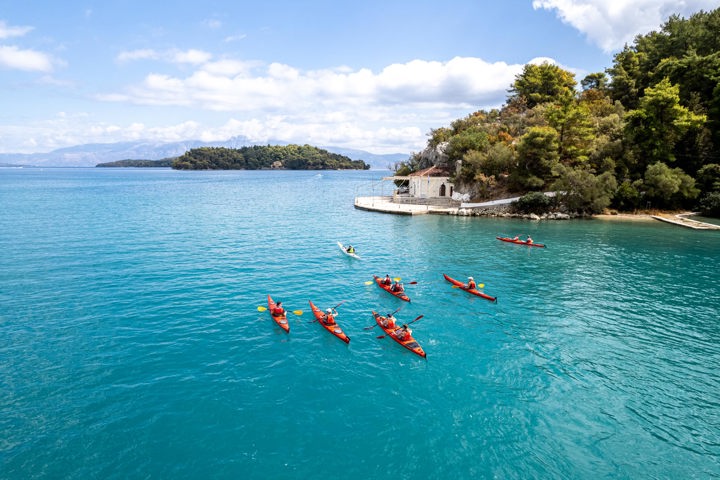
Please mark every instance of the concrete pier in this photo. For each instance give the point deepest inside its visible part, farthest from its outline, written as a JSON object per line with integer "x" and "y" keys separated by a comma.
{"x": 385, "y": 204}
{"x": 681, "y": 220}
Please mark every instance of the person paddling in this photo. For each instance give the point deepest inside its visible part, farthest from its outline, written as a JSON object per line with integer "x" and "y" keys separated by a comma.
{"x": 403, "y": 332}
{"x": 278, "y": 311}
{"x": 329, "y": 317}
{"x": 350, "y": 249}
{"x": 471, "y": 285}
{"x": 388, "y": 321}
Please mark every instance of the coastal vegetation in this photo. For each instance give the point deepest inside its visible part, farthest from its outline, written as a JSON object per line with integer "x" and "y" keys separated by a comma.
{"x": 166, "y": 162}
{"x": 643, "y": 134}
{"x": 288, "y": 157}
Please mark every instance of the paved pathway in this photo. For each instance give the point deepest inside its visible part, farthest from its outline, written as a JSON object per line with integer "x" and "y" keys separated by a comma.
{"x": 503, "y": 201}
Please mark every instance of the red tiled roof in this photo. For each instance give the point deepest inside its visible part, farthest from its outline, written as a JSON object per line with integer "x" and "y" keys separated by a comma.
{"x": 430, "y": 172}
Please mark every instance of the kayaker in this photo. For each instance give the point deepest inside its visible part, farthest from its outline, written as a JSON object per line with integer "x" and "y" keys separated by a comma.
{"x": 529, "y": 240}
{"x": 397, "y": 287}
{"x": 350, "y": 249}
{"x": 329, "y": 317}
{"x": 387, "y": 280}
{"x": 517, "y": 238}
{"x": 471, "y": 283}
{"x": 389, "y": 321}
{"x": 403, "y": 332}
{"x": 278, "y": 310}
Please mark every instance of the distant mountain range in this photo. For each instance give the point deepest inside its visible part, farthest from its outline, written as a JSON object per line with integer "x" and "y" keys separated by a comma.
{"x": 91, "y": 154}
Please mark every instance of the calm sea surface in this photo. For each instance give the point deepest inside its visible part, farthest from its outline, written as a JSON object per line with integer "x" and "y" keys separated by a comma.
{"x": 131, "y": 345}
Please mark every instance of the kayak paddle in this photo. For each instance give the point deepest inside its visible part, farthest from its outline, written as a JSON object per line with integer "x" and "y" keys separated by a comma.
{"x": 262, "y": 309}
{"x": 480, "y": 285}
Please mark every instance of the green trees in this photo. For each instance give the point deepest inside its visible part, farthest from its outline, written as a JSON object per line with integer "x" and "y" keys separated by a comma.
{"x": 669, "y": 187}
{"x": 543, "y": 83}
{"x": 582, "y": 191}
{"x": 290, "y": 157}
{"x": 641, "y": 132}
{"x": 659, "y": 123}
{"x": 537, "y": 154}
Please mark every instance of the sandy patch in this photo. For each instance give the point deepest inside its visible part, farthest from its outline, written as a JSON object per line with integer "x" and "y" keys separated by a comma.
{"x": 640, "y": 217}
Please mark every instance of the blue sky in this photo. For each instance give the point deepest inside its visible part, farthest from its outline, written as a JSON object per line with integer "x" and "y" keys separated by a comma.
{"x": 372, "y": 75}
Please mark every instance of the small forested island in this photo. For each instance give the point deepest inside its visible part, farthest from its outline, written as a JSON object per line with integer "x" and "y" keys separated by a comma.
{"x": 287, "y": 157}
{"x": 165, "y": 162}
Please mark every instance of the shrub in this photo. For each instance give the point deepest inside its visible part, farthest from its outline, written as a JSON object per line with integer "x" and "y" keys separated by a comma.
{"x": 627, "y": 197}
{"x": 710, "y": 205}
{"x": 533, "y": 202}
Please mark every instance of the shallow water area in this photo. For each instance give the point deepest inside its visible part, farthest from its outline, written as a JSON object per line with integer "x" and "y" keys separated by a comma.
{"x": 132, "y": 345}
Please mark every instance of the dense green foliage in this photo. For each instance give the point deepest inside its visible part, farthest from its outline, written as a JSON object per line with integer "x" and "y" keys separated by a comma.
{"x": 643, "y": 134}
{"x": 289, "y": 157}
{"x": 166, "y": 162}
{"x": 533, "y": 202}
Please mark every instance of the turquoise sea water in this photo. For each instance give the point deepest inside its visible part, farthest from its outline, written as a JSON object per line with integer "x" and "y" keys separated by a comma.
{"x": 131, "y": 345}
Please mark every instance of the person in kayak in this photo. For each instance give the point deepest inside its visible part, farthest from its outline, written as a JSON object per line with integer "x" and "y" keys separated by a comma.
{"x": 350, "y": 249}
{"x": 329, "y": 317}
{"x": 397, "y": 287}
{"x": 278, "y": 310}
{"x": 529, "y": 240}
{"x": 388, "y": 321}
{"x": 517, "y": 238}
{"x": 471, "y": 283}
{"x": 387, "y": 280}
{"x": 403, "y": 332}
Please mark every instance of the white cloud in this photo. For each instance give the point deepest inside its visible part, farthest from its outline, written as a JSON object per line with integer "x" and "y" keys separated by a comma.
{"x": 9, "y": 32}
{"x": 14, "y": 58}
{"x": 191, "y": 56}
{"x": 229, "y": 67}
{"x": 235, "y": 38}
{"x": 141, "y": 54}
{"x": 387, "y": 111}
{"x": 228, "y": 85}
{"x": 610, "y": 24}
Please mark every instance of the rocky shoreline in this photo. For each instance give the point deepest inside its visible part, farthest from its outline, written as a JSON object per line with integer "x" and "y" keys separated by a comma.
{"x": 503, "y": 211}
{"x": 386, "y": 204}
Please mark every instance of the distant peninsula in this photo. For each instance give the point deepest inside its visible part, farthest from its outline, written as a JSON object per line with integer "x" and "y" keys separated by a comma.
{"x": 287, "y": 157}
{"x": 165, "y": 162}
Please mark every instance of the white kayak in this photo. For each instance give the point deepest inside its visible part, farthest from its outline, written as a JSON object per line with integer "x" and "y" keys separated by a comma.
{"x": 342, "y": 247}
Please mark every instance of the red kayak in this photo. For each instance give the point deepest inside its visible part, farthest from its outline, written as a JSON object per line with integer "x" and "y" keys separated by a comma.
{"x": 388, "y": 288}
{"x": 332, "y": 328}
{"x": 520, "y": 242}
{"x": 474, "y": 291}
{"x": 409, "y": 342}
{"x": 281, "y": 320}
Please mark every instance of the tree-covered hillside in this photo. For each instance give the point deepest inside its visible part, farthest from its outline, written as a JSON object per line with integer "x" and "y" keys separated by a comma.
{"x": 645, "y": 133}
{"x": 290, "y": 157}
{"x": 166, "y": 162}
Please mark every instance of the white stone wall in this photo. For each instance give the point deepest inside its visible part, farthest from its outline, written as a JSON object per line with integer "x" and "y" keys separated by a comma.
{"x": 429, "y": 187}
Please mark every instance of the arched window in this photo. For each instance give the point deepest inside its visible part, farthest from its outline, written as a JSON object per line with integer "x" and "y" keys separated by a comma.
{"x": 442, "y": 190}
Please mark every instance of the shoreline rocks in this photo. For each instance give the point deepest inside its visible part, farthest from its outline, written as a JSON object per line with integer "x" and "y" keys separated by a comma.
{"x": 504, "y": 212}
